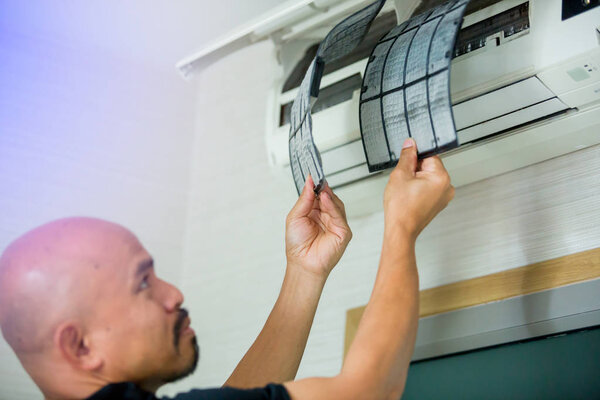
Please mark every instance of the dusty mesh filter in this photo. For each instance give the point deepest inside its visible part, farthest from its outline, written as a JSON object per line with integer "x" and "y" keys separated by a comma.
{"x": 341, "y": 40}
{"x": 406, "y": 87}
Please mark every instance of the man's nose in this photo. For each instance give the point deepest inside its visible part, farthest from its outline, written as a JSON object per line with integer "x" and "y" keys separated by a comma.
{"x": 172, "y": 297}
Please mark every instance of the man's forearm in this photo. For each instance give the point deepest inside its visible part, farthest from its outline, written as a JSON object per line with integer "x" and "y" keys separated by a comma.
{"x": 377, "y": 362}
{"x": 386, "y": 335}
{"x": 276, "y": 353}
{"x": 378, "y": 359}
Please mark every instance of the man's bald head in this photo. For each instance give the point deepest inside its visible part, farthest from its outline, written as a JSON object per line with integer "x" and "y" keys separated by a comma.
{"x": 41, "y": 277}
{"x": 73, "y": 289}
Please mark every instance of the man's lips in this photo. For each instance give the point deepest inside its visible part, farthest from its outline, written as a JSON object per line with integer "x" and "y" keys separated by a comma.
{"x": 182, "y": 327}
{"x": 185, "y": 327}
{"x": 182, "y": 324}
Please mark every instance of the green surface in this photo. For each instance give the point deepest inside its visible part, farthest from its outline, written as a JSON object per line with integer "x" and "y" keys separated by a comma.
{"x": 578, "y": 74}
{"x": 558, "y": 367}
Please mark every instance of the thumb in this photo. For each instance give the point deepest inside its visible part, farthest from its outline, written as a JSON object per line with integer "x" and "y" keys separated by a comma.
{"x": 306, "y": 200}
{"x": 408, "y": 158}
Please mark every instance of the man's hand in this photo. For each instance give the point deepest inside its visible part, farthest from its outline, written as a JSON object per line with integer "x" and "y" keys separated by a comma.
{"x": 317, "y": 231}
{"x": 317, "y": 234}
{"x": 376, "y": 365}
{"x": 416, "y": 192}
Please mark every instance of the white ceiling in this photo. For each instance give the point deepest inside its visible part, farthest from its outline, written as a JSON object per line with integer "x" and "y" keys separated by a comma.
{"x": 159, "y": 32}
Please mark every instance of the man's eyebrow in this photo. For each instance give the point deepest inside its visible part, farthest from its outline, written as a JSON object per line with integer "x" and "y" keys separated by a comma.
{"x": 144, "y": 266}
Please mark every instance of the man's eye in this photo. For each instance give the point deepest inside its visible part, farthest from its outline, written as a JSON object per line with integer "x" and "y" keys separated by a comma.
{"x": 144, "y": 284}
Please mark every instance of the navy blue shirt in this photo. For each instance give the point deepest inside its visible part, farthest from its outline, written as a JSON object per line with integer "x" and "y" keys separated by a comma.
{"x": 130, "y": 391}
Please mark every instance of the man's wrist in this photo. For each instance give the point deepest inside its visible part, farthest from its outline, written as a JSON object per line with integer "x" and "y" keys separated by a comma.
{"x": 300, "y": 291}
{"x": 399, "y": 234}
{"x": 301, "y": 276}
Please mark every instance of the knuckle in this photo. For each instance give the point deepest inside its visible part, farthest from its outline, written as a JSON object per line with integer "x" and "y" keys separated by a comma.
{"x": 443, "y": 179}
{"x": 446, "y": 178}
{"x": 452, "y": 192}
{"x": 408, "y": 153}
{"x": 396, "y": 174}
{"x": 348, "y": 237}
{"x": 439, "y": 180}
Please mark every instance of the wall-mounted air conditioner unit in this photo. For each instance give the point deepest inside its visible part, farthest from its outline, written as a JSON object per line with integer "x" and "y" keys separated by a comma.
{"x": 525, "y": 87}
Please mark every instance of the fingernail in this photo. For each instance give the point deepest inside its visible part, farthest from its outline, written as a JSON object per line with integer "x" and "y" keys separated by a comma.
{"x": 307, "y": 185}
{"x": 408, "y": 143}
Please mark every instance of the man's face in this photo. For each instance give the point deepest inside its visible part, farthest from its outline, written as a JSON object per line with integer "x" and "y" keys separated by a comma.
{"x": 138, "y": 326}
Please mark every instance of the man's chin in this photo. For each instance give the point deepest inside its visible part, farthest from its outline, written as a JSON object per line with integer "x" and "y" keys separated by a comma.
{"x": 190, "y": 366}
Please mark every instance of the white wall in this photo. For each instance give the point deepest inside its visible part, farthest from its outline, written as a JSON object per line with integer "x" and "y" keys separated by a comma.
{"x": 235, "y": 258}
{"x": 159, "y": 32}
{"x": 86, "y": 132}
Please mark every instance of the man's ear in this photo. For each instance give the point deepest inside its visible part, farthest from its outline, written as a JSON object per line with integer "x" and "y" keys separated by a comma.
{"x": 75, "y": 347}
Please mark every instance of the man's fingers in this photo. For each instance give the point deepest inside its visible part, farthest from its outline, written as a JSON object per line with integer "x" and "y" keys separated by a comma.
{"x": 408, "y": 158}
{"x": 336, "y": 200}
{"x": 329, "y": 207}
{"x": 305, "y": 202}
{"x": 432, "y": 164}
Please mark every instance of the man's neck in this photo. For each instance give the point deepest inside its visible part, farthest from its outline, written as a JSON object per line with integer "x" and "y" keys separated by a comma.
{"x": 151, "y": 386}
{"x": 64, "y": 383}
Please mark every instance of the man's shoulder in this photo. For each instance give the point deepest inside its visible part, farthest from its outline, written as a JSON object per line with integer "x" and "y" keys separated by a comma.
{"x": 122, "y": 390}
{"x": 130, "y": 391}
{"x": 269, "y": 392}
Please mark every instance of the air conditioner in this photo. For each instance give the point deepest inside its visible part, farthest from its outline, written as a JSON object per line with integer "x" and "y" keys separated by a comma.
{"x": 525, "y": 87}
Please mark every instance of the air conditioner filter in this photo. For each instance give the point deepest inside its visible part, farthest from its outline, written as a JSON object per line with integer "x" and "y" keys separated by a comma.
{"x": 406, "y": 87}
{"x": 341, "y": 40}
{"x": 405, "y": 90}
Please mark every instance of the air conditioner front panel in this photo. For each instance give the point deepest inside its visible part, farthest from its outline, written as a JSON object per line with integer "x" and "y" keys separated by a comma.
{"x": 548, "y": 42}
{"x": 490, "y": 68}
{"x": 500, "y": 102}
{"x": 582, "y": 97}
{"x": 470, "y": 163}
{"x": 348, "y": 176}
{"x": 343, "y": 157}
{"x": 577, "y": 81}
{"x": 517, "y": 100}
{"x": 531, "y": 144}
{"x": 337, "y": 126}
{"x": 508, "y": 121}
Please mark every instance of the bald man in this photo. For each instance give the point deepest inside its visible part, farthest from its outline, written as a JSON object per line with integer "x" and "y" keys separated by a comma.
{"x": 85, "y": 313}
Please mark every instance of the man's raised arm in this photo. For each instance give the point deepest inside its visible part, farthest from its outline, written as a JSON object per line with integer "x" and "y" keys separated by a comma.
{"x": 377, "y": 362}
{"x": 317, "y": 234}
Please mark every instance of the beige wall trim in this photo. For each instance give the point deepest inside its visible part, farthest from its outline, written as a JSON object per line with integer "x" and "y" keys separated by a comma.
{"x": 502, "y": 285}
